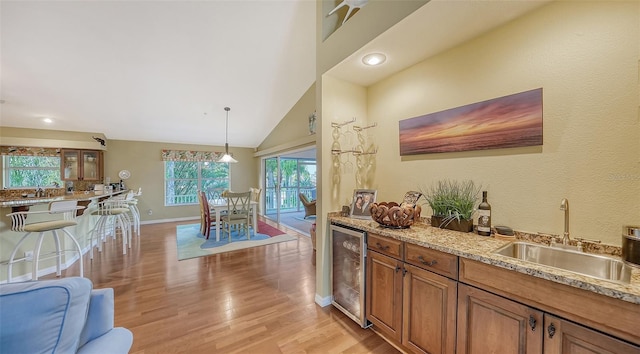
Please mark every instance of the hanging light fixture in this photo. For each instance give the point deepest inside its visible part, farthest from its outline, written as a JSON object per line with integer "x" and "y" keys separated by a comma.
{"x": 226, "y": 157}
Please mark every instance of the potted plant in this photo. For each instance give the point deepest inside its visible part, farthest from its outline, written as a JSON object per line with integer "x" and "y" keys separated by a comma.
{"x": 453, "y": 204}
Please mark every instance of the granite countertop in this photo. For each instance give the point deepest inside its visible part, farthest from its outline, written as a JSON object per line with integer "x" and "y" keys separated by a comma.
{"x": 480, "y": 248}
{"x": 79, "y": 196}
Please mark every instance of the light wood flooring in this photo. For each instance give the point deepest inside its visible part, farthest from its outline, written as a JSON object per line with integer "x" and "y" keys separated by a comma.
{"x": 257, "y": 300}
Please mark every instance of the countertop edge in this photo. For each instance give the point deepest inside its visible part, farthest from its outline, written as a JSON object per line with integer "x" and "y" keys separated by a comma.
{"x": 626, "y": 292}
{"x": 75, "y": 196}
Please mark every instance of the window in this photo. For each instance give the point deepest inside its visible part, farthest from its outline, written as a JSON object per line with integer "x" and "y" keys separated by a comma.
{"x": 31, "y": 171}
{"x": 184, "y": 178}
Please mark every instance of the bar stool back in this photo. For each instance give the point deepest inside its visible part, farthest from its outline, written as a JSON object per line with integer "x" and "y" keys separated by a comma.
{"x": 112, "y": 216}
{"x": 68, "y": 208}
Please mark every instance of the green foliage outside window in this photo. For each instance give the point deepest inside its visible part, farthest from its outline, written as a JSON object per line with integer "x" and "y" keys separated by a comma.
{"x": 32, "y": 171}
{"x": 183, "y": 179}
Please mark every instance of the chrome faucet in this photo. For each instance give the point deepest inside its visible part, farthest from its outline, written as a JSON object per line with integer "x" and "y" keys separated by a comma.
{"x": 564, "y": 205}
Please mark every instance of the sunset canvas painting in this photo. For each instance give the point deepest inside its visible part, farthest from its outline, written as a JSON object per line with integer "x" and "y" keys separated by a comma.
{"x": 504, "y": 122}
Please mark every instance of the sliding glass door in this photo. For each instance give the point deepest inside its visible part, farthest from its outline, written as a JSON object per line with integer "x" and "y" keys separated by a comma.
{"x": 285, "y": 179}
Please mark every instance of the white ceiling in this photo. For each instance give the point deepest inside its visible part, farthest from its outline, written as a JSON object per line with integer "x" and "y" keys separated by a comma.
{"x": 433, "y": 28}
{"x": 164, "y": 70}
{"x": 156, "y": 70}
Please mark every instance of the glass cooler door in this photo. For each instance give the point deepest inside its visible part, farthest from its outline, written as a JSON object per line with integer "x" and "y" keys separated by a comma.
{"x": 348, "y": 264}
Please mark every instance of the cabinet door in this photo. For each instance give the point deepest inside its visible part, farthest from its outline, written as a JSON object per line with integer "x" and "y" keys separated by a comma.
{"x": 384, "y": 294}
{"x": 489, "y": 323}
{"x": 70, "y": 165}
{"x": 90, "y": 166}
{"x": 565, "y": 337}
{"x": 429, "y": 312}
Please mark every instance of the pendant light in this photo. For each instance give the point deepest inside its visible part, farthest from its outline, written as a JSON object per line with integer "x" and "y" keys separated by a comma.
{"x": 226, "y": 157}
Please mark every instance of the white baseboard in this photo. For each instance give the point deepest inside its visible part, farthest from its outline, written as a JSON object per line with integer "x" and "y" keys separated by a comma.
{"x": 323, "y": 301}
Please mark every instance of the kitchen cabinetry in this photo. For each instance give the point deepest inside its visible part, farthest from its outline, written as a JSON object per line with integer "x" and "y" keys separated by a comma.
{"x": 564, "y": 337}
{"x": 488, "y": 323}
{"x": 81, "y": 165}
{"x": 410, "y": 305}
{"x": 514, "y": 319}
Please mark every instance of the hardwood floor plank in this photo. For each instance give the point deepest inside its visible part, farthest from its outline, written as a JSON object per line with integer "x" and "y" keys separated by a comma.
{"x": 257, "y": 300}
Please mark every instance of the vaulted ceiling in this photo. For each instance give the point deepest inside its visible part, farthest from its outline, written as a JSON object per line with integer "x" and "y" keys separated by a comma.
{"x": 164, "y": 70}
{"x": 155, "y": 70}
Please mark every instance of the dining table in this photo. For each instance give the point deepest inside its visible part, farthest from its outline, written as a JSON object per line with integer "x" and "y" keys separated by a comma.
{"x": 218, "y": 205}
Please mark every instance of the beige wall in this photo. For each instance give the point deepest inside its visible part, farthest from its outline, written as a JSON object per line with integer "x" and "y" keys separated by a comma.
{"x": 143, "y": 160}
{"x": 370, "y": 21}
{"x": 585, "y": 56}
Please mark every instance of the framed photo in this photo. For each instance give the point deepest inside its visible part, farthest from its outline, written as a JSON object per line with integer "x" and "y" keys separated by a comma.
{"x": 362, "y": 199}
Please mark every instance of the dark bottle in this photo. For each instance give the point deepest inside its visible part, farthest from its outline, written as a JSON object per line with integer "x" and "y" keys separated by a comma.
{"x": 484, "y": 216}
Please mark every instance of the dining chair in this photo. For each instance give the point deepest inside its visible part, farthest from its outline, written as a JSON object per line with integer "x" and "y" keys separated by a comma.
{"x": 255, "y": 200}
{"x": 255, "y": 194}
{"x": 206, "y": 221}
{"x": 215, "y": 194}
{"x": 238, "y": 212}
{"x": 309, "y": 206}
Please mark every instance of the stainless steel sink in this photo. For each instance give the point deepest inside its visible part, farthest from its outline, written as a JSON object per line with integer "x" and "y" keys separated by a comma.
{"x": 597, "y": 266}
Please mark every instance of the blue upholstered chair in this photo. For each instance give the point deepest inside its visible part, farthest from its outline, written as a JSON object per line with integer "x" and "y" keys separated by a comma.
{"x": 59, "y": 316}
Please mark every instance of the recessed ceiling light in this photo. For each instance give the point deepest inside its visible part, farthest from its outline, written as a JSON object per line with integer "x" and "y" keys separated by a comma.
{"x": 47, "y": 120}
{"x": 374, "y": 59}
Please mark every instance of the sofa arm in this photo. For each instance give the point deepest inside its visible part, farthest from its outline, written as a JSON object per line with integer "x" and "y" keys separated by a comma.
{"x": 116, "y": 341}
{"x": 100, "y": 315}
{"x": 99, "y": 336}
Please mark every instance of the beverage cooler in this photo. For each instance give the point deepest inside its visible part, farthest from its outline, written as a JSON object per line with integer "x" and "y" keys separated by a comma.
{"x": 348, "y": 254}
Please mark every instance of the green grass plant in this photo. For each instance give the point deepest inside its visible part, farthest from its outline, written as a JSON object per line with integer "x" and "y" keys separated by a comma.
{"x": 452, "y": 199}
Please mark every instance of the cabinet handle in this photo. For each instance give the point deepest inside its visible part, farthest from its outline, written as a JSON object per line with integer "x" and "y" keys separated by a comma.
{"x": 428, "y": 263}
{"x": 381, "y": 247}
{"x": 552, "y": 330}
{"x": 397, "y": 269}
{"x": 532, "y": 322}
{"x": 404, "y": 271}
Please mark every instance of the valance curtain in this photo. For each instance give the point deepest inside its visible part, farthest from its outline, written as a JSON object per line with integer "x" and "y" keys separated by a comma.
{"x": 29, "y": 151}
{"x": 190, "y": 155}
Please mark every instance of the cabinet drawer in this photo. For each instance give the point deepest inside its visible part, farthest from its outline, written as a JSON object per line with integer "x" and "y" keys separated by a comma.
{"x": 435, "y": 261}
{"x": 385, "y": 245}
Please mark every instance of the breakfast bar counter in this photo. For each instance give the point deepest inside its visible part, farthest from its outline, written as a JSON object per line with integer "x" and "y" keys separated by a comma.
{"x": 85, "y": 224}
{"x": 10, "y": 202}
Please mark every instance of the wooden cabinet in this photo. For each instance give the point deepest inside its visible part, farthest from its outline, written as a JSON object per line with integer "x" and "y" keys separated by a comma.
{"x": 616, "y": 318}
{"x": 564, "y": 337}
{"x": 427, "y": 301}
{"x": 429, "y": 311}
{"x": 81, "y": 165}
{"x": 384, "y": 294}
{"x": 409, "y": 305}
{"x": 488, "y": 323}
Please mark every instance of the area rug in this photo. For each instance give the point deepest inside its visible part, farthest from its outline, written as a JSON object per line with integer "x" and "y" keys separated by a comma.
{"x": 192, "y": 244}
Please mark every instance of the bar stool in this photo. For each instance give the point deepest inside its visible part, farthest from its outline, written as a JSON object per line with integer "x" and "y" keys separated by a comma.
{"x": 69, "y": 209}
{"x": 112, "y": 216}
{"x": 132, "y": 203}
